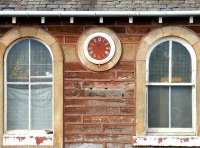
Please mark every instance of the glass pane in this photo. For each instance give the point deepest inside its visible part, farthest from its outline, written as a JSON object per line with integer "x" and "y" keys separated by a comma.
{"x": 41, "y": 73}
{"x": 158, "y": 104}
{"x": 181, "y": 63}
{"x": 159, "y": 63}
{"x": 17, "y": 107}
{"x": 41, "y": 107}
{"x": 41, "y": 62}
{"x": 181, "y": 107}
{"x": 17, "y": 62}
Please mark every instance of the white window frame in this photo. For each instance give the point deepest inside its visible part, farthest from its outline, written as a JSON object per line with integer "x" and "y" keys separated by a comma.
{"x": 27, "y": 132}
{"x": 173, "y": 131}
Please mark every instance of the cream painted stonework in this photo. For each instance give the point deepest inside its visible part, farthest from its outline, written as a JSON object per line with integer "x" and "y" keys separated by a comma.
{"x": 34, "y": 32}
{"x": 145, "y": 44}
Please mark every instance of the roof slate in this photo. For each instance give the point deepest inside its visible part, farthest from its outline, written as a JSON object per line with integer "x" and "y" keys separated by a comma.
{"x": 99, "y": 5}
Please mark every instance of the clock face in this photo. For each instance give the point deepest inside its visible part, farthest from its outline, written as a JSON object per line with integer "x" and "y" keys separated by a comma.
{"x": 99, "y": 48}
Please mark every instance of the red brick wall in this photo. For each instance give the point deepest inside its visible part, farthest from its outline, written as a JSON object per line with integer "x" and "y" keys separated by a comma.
{"x": 99, "y": 107}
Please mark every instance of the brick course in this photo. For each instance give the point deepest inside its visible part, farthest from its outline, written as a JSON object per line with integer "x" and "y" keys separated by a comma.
{"x": 99, "y": 107}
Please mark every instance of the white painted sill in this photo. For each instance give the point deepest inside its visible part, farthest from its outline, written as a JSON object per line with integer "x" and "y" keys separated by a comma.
{"x": 24, "y": 137}
{"x": 166, "y": 141}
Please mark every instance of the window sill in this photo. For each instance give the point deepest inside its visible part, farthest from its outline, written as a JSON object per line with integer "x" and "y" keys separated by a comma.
{"x": 166, "y": 141}
{"x": 27, "y": 138}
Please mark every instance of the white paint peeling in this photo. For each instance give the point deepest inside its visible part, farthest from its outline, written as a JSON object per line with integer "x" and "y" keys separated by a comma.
{"x": 166, "y": 141}
{"x": 28, "y": 139}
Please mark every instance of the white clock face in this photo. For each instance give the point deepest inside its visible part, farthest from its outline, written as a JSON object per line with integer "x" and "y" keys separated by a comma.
{"x": 99, "y": 48}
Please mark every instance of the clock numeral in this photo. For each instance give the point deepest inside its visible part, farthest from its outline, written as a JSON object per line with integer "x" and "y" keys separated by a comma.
{"x": 106, "y": 52}
{"x": 94, "y": 55}
{"x": 98, "y": 57}
{"x": 91, "y": 44}
{"x": 91, "y": 52}
{"x": 106, "y": 43}
{"x": 89, "y": 48}
{"x": 99, "y": 39}
{"x": 95, "y": 40}
{"x": 108, "y": 48}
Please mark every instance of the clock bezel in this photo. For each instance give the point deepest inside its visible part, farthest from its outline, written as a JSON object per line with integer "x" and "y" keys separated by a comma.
{"x": 110, "y": 41}
{"x": 93, "y": 66}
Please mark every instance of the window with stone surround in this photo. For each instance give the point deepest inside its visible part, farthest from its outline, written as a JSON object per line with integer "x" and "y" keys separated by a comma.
{"x": 28, "y": 87}
{"x": 172, "y": 76}
{"x": 171, "y": 88}
{"x": 31, "y": 94}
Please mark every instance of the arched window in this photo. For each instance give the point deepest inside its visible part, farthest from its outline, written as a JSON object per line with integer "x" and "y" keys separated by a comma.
{"x": 28, "y": 86}
{"x": 171, "y": 87}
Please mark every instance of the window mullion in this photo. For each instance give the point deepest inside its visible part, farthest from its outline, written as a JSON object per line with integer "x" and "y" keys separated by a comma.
{"x": 170, "y": 61}
{"x": 170, "y": 80}
{"x": 170, "y": 106}
{"x": 29, "y": 85}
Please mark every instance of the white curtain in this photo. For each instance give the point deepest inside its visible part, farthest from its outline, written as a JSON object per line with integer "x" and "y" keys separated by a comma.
{"x": 17, "y": 107}
{"x": 41, "y": 107}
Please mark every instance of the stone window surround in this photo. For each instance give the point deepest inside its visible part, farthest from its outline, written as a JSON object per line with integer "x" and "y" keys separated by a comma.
{"x": 33, "y": 32}
{"x": 145, "y": 44}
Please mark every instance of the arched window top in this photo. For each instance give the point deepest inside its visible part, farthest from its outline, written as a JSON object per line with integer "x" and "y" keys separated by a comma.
{"x": 37, "y": 45}
{"x": 25, "y": 53}
{"x": 171, "y": 60}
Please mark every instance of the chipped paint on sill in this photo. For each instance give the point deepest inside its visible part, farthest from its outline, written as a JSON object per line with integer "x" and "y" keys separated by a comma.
{"x": 166, "y": 141}
{"x": 15, "y": 139}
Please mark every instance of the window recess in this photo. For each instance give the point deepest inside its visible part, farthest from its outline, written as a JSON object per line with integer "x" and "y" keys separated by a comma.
{"x": 171, "y": 88}
{"x": 28, "y": 88}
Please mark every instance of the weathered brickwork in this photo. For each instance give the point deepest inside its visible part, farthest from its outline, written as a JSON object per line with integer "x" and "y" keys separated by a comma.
{"x": 99, "y": 107}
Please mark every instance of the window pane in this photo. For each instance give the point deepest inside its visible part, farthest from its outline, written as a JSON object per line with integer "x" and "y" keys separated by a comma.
{"x": 41, "y": 107}
{"x": 41, "y": 62}
{"x": 181, "y": 63}
{"x": 158, "y": 104}
{"x": 17, "y": 107}
{"x": 17, "y": 62}
{"x": 159, "y": 63}
{"x": 181, "y": 107}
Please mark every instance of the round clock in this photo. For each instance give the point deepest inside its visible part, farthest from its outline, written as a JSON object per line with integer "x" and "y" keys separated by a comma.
{"x": 99, "y": 48}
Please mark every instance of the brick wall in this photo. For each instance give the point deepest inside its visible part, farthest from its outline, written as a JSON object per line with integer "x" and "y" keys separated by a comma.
{"x": 99, "y": 107}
